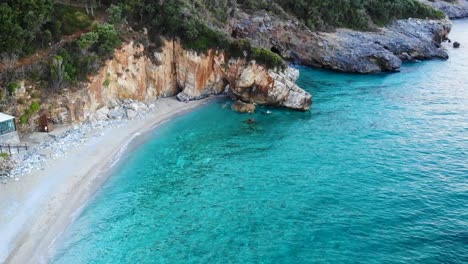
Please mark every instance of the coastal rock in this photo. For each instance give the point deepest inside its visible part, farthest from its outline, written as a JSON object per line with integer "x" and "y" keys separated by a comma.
{"x": 131, "y": 114}
{"x": 346, "y": 50}
{"x": 242, "y": 107}
{"x": 456, "y": 45}
{"x": 258, "y": 85}
{"x": 131, "y": 77}
{"x": 101, "y": 114}
{"x": 200, "y": 75}
{"x": 453, "y": 9}
{"x": 183, "y": 97}
{"x": 116, "y": 113}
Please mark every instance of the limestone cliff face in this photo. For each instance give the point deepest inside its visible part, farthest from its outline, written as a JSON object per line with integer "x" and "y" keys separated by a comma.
{"x": 132, "y": 74}
{"x": 258, "y": 85}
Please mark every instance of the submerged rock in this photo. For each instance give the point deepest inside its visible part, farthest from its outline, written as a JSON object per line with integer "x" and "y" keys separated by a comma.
{"x": 242, "y": 107}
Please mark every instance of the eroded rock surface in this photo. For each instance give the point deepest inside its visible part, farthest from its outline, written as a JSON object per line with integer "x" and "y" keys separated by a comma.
{"x": 242, "y": 107}
{"x": 345, "y": 50}
{"x": 132, "y": 75}
{"x": 457, "y": 9}
{"x": 259, "y": 85}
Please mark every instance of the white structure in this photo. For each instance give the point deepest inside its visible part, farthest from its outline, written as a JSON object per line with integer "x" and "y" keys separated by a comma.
{"x": 8, "y": 133}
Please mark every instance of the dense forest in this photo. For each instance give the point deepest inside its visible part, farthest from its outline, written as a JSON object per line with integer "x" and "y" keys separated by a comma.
{"x": 31, "y": 24}
{"x": 76, "y": 36}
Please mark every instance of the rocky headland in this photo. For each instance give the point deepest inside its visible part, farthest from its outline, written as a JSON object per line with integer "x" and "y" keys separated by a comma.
{"x": 453, "y": 9}
{"x": 345, "y": 50}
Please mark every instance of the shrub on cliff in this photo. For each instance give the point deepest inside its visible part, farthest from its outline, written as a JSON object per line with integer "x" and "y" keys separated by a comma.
{"x": 268, "y": 58}
{"x": 204, "y": 39}
{"x": 81, "y": 57}
{"x": 12, "y": 87}
{"x": 108, "y": 39}
{"x": 242, "y": 48}
{"x": 357, "y": 14}
{"x": 28, "y": 112}
{"x": 71, "y": 19}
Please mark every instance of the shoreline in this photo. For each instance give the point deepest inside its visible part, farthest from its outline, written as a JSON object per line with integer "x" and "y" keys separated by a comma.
{"x": 47, "y": 201}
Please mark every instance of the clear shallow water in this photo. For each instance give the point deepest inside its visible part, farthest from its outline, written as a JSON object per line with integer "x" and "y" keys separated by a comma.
{"x": 377, "y": 172}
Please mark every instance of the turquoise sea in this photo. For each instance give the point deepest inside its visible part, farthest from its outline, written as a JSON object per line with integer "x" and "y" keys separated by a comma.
{"x": 376, "y": 172}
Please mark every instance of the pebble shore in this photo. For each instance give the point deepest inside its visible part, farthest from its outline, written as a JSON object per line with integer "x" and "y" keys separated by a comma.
{"x": 57, "y": 146}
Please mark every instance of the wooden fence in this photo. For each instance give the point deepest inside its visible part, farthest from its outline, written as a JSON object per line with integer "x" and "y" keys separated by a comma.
{"x": 12, "y": 148}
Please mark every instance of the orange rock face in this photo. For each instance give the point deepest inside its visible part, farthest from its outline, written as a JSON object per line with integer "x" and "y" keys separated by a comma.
{"x": 131, "y": 74}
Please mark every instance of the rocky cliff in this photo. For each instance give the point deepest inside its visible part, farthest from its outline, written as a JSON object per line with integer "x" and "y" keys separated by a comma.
{"x": 191, "y": 76}
{"x": 454, "y": 9}
{"x": 345, "y": 50}
{"x": 135, "y": 75}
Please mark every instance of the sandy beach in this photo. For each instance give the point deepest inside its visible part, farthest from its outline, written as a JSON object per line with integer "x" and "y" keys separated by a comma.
{"x": 35, "y": 210}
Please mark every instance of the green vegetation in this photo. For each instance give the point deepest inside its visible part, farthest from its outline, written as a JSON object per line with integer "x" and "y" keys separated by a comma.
{"x": 79, "y": 58}
{"x": 268, "y": 58}
{"x": 87, "y": 40}
{"x": 70, "y": 19}
{"x": 205, "y": 39}
{"x": 12, "y": 87}
{"x": 243, "y": 49}
{"x": 190, "y": 23}
{"x": 106, "y": 83}
{"x": 115, "y": 16}
{"x": 4, "y": 155}
{"x": 22, "y": 24}
{"x": 356, "y": 14}
{"x": 28, "y": 25}
{"x": 34, "y": 108}
{"x": 197, "y": 23}
{"x": 108, "y": 40}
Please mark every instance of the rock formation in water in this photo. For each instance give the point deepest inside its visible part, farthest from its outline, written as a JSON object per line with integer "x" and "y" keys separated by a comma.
{"x": 242, "y": 107}
{"x": 453, "y": 9}
{"x": 346, "y": 50}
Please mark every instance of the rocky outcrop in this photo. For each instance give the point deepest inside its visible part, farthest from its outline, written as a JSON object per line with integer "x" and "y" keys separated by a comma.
{"x": 454, "y": 9}
{"x": 132, "y": 75}
{"x": 385, "y": 50}
{"x": 345, "y": 50}
{"x": 256, "y": 84}
{"x": 242, "y": 107}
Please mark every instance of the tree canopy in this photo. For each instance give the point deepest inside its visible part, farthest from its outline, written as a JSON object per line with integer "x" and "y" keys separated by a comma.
{"x": 21, "y": 23}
